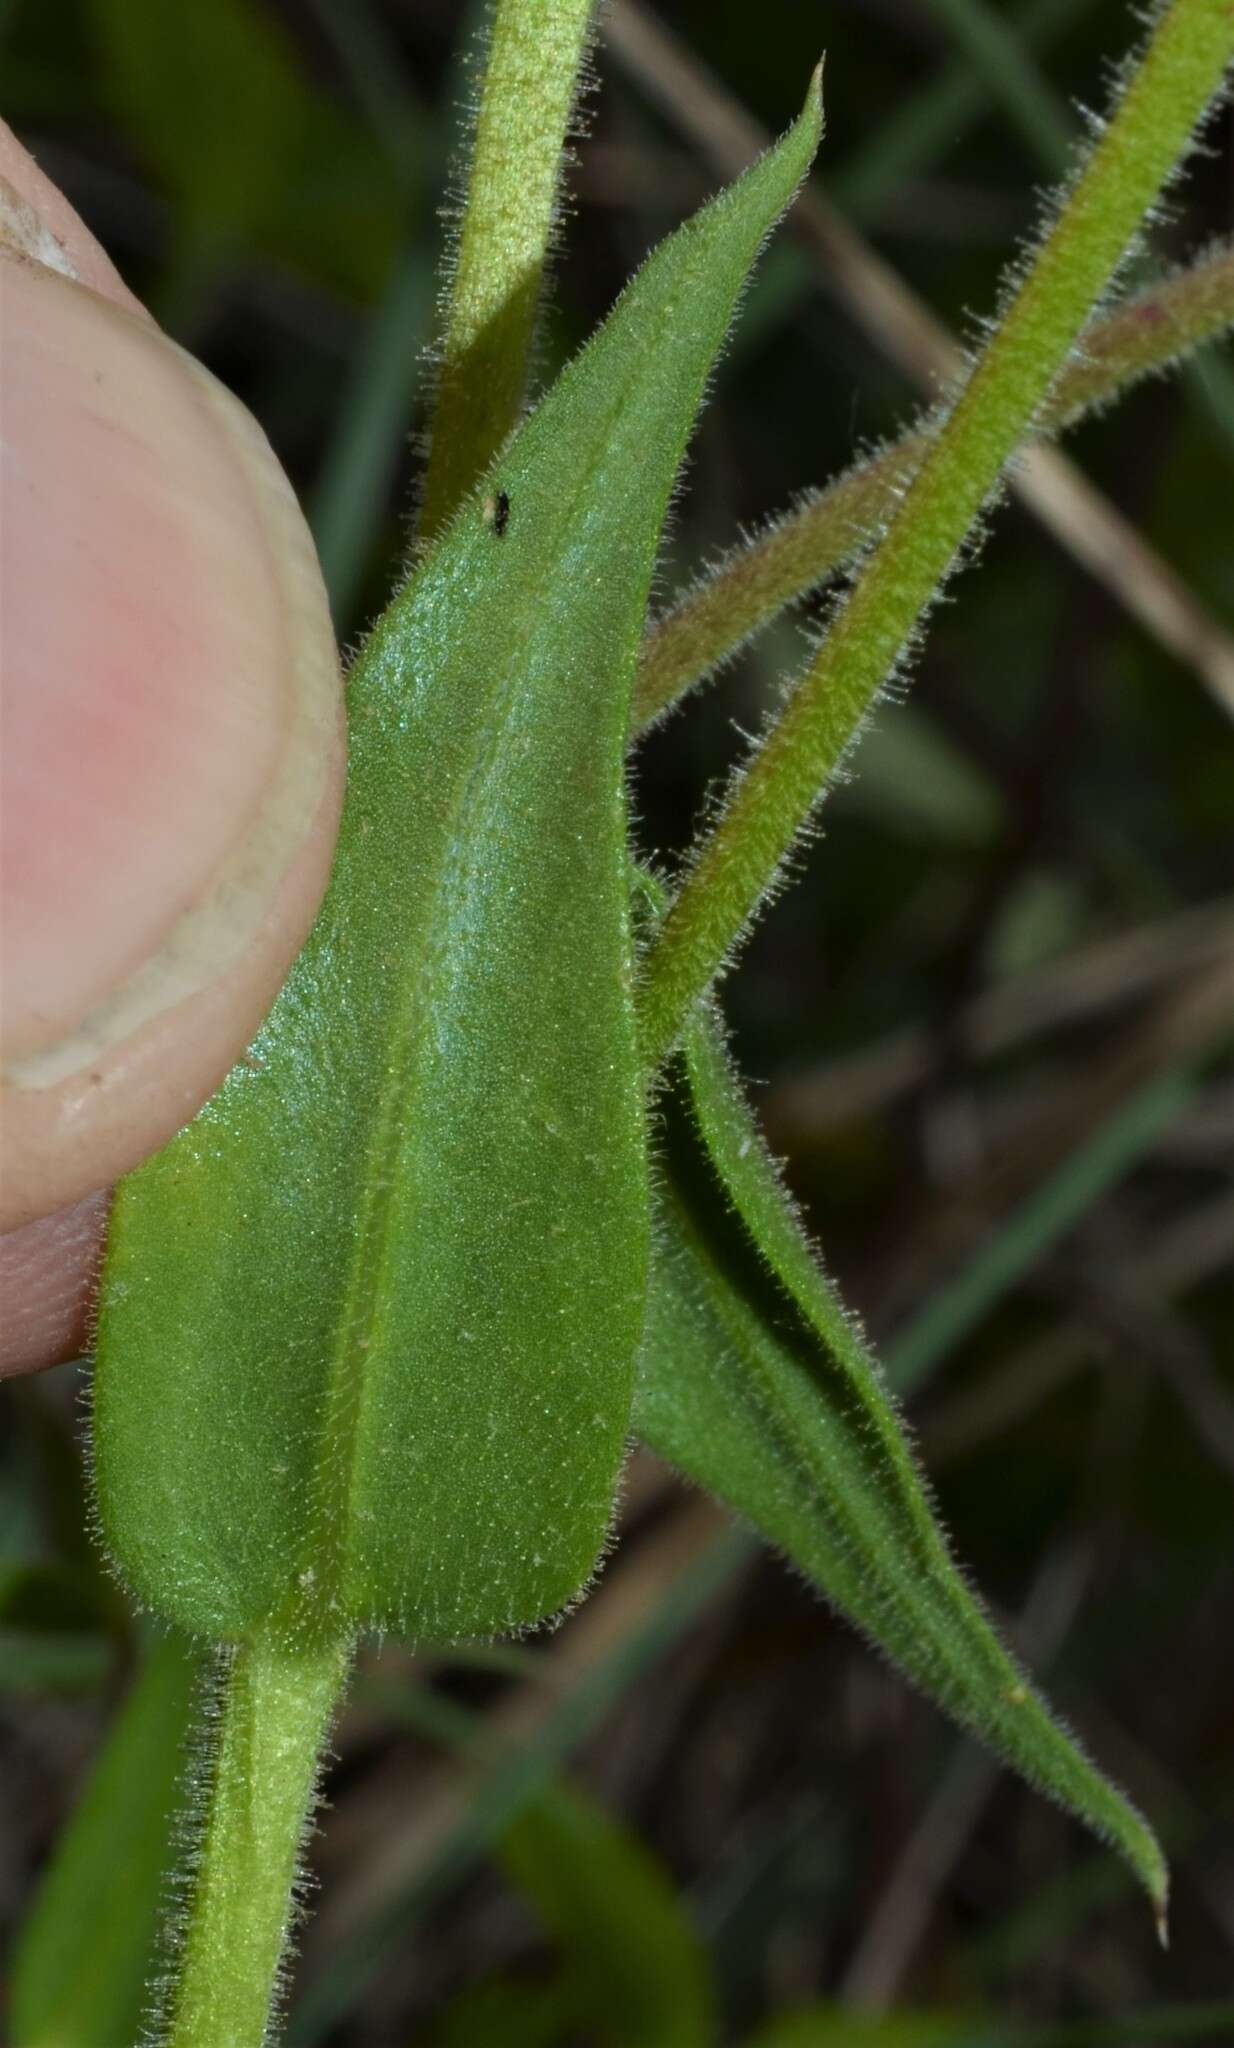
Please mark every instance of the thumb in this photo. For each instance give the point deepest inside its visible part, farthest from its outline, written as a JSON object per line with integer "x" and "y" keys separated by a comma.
{"x": 172, "y": 762}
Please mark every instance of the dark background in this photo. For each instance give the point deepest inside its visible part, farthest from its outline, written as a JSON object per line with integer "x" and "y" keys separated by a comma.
{"x": 985, "y": 1014}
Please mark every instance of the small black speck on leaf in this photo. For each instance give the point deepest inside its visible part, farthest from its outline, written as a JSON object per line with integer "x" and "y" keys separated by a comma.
{"x": 501, "y": 513}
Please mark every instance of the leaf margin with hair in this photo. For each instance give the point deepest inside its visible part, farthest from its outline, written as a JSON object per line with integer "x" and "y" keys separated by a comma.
{"x": 793, "y": 552}
{"x": 237, "y": 1491}
{"x": 781, "y": 1412}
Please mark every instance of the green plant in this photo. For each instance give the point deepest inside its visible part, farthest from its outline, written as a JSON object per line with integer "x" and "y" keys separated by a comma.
{"x": 418, "y": 1369}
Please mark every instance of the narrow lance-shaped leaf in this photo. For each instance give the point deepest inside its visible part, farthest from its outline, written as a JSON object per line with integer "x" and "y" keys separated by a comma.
{"x": 81, "y": 1967}
{"x": 369, "y": 1324}
{"x": 634, "y": 1964}
{"x": 758, "y": 1386}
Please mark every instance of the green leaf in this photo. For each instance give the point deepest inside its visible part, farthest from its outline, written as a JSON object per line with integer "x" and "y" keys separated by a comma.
{"x": 635, "y": 1969}
{"x": 82, "y": 1962}
{"x": 758, "y": 1386}
{"x": 368, "y": 1326}
{"x": 639, "y": 1971}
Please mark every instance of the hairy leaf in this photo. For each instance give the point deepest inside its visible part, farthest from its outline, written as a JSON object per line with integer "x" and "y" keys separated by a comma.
{"x": 369, "y": 1325}
{"x": 757, "y": 1385}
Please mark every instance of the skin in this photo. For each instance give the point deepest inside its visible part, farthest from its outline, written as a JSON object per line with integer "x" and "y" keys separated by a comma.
{"x": 173, "y": 748}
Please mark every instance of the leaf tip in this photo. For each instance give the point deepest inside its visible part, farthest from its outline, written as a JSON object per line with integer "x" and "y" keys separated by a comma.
{"x": 1153, "y": 1871}
{"x": 814, "y": 95}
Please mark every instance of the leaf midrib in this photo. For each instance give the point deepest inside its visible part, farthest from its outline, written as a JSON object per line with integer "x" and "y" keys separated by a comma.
{"x": 862, "y": 1521}
{"x": 347, "y": 1380}
{"x": 954, "y": 1676}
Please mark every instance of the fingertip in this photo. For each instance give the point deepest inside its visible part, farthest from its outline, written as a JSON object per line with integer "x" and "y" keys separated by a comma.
{"x": 47, "y": 1278}
{"x": 174, "y": 752}
{"x": 79, "y": 255}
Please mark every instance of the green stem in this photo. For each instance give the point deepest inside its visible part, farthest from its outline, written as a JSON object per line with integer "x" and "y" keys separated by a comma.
{"x": 1164, "y": 99}
{"x": 535, "y": 55}
{"x": 796, "y": 551}
{"x": 264, "y": 1731}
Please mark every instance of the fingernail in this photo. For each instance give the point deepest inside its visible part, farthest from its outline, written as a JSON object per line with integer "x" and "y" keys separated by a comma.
{"x": 24, "y": 233}
{"x": 170, "y": 678}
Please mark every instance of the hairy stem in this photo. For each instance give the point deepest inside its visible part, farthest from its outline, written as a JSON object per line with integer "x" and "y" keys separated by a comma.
{"x": 797, "y": 551}
{"x": 264, "y": 1733}
{"x": 1163, "y": 100}
{"x": 531, "y": 76}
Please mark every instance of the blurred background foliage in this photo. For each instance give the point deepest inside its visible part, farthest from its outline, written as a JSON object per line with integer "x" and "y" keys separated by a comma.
{"x": 989, "y": 1028}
